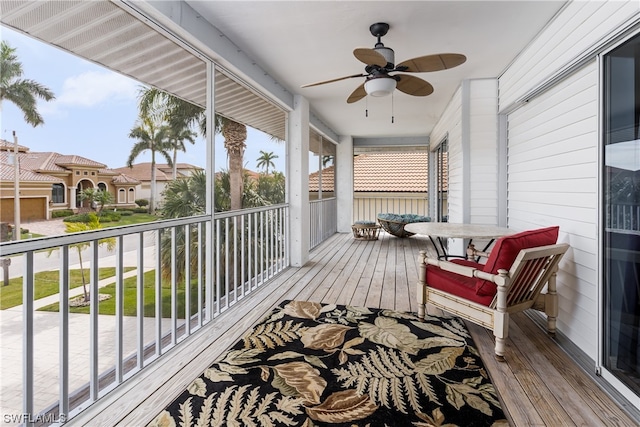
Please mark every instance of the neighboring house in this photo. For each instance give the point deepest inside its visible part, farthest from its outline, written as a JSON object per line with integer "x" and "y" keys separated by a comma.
{"x": 164, "y": 175}
{"x": 50, "y": 181}
{"x": 382, "y": 182}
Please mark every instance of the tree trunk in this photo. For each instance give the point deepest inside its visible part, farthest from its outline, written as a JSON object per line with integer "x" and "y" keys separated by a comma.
{"x": 152, "y": 197}
{"x": 235, "y": 135}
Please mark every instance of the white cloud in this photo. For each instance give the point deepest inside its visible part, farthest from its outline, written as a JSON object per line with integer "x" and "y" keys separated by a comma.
{"x": 96, "y": 87}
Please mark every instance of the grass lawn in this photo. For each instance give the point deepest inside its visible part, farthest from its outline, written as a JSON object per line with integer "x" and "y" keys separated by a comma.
{"x": 130, "y": 295}
{"x": 47, "y": 283}
{"x": 136, "y": 218}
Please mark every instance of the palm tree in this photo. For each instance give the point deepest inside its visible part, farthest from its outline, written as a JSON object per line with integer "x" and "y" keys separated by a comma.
{"x": 177, "y": 137}
{"x": 181, "y": 114}
{"x": 97, "y": 198}
{"x": 266, "y": 160}
{"x": 155, "y": 138}
{"x": 21, "y": 92}
{"x": 235, "y": 135}
{"x": 77, "y": 227}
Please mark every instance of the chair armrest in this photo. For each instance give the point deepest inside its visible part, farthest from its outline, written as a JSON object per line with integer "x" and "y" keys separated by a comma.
{"x": 472, "y": 252}
{"x": 465, "y": 270}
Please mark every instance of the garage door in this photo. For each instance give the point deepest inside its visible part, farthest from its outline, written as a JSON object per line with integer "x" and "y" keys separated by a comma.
{"x": 30, "y": 209}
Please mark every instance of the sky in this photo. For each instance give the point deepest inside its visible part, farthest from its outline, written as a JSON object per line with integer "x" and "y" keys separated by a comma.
{"x": 94, "y": 111}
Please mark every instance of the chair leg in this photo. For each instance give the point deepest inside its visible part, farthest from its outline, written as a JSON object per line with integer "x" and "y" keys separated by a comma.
{"x": 501, "y": 316}
{"x": 551, "y": 304}
{"x": 421, "y": 287}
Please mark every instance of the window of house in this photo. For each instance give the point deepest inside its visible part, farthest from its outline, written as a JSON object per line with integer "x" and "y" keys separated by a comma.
{"x": 102, "y": 186}
{"x": 57, "y": 193}
{"x": 621, "y": 206}
{"x": 442, "y": 179}
{"x": 77, "y": 172}
{"x": 122, "y": 196}
{"x": 132, "y": 195}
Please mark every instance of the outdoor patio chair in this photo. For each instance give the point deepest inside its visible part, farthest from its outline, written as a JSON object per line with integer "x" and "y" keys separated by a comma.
{"x": 517, "y": 269}
{"x": 394, "y": 223}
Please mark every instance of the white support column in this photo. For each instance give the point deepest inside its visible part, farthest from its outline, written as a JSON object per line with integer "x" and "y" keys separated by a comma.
{"x": 298, "y": 181}
{"x": 344, "y": 183}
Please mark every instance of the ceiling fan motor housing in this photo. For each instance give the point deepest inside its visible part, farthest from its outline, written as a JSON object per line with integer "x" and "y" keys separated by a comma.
{"x": 388, "y": 54}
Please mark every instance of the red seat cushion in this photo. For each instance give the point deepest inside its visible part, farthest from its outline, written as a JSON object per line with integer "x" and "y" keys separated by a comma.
{"x": 506, "y": 250}
{"x": 461, "y": 286}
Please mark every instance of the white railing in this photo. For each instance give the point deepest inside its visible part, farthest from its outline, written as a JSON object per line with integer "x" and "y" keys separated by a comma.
{"x": 152, "y": 308}
{"x": 323, "y": 220}
{"x": 367, "y": 207}
{"x": 623, "y": 216}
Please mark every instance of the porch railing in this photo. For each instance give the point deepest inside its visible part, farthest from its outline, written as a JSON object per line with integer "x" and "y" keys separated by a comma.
{"x": 366, "y": 207}
{"x": 323, "y": 220}
{"x": 623, "y": 216}
{"x": 171, "y": 278}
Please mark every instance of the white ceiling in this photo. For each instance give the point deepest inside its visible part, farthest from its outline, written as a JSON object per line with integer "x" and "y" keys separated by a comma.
{"x": 299, "y": 42}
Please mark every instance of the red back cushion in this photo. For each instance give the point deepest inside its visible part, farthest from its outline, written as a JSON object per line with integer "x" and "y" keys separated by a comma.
{"x": 506, "y": 250}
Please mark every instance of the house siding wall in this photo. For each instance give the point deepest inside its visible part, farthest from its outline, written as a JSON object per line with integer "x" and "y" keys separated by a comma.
{"x": 579, "y": 28}
{"x": 450, "y": 126}
{"x": 552, "y": 175}
{"x": 483, "y": 151}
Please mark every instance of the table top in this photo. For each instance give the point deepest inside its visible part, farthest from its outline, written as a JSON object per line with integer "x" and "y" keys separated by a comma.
{"x": 452, "y": 230}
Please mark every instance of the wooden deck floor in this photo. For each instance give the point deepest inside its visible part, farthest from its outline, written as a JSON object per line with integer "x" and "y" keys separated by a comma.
{"x": 539, "y": 384}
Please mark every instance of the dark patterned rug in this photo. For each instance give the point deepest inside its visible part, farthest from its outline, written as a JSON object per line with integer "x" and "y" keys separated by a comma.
{"x": 308, "y": 364}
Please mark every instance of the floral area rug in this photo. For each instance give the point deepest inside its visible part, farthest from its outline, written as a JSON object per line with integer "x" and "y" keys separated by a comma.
{"x": 308, "y": 364}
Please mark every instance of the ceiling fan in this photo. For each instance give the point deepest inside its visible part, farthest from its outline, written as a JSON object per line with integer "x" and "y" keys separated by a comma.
{"x": 380, "y": 63}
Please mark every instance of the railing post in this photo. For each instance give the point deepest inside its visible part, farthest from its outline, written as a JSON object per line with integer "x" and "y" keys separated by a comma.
{"x": 28, "y": 345}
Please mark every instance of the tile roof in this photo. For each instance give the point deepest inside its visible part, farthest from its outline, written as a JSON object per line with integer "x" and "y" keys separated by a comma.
{"x": 124, "y": 179}
{"x": 8, "y": 146}
{"x": 7, "y": 173}
{"x": 73, "y": 160}
{"x": 381, "y": 172}
{"x": 164, "y": 172}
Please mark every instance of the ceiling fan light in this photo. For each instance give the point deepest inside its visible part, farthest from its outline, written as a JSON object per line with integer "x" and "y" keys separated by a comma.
{"x": 381, "y": 86}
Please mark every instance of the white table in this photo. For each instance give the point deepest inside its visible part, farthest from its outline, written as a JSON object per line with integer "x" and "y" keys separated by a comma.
{"x": 448, "y": 230}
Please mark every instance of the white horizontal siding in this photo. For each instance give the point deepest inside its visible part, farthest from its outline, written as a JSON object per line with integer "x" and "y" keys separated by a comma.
{"x": 450, "y": 126}
{"x": 575, "y": 31}
{"x": 552, "y": 180}
{"x": 483, "y": 151}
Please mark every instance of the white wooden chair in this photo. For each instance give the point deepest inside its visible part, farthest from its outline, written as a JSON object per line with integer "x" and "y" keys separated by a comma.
{"x": 518, "y": 289}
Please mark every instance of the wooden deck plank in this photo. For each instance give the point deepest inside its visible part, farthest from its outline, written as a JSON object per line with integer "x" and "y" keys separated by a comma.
{"x": 374, "y": 293}
{"x": 513, "y": 398}
{"x": 578, "y": 383}
{"x": 537, "y": 357}
{"x": 356, "y": 270}
{"x": 538, "y": 385}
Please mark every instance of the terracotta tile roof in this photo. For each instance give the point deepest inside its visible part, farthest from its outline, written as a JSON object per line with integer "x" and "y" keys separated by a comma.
{"x": 41, "y": 161}
{"x": 73, "y": 160}
{"x": 7, "y": 173}
{"x": 142, "y": 171}
{"x": 124, "y": 179}
{"x": 8, "y": 146}
{"x": 382, "y": 172}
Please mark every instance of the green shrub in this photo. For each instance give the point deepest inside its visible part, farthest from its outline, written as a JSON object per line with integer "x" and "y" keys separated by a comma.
{"x": 61, "y": 213}
{"x": 141, "y": 210}
{"x": 126, "y": 212}
{"x": 109, "y": 216}
{"x": 83, "y": 217}
{"x": 142, "y": 202}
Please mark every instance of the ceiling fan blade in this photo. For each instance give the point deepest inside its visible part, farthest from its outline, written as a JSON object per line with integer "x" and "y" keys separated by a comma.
{"x": 357, "y": 94}
{"x": 441, "y": 61}
{"x": 334, "y": 80}
{"x": 412, "y": 85}
{"x": 370, "y": 57}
